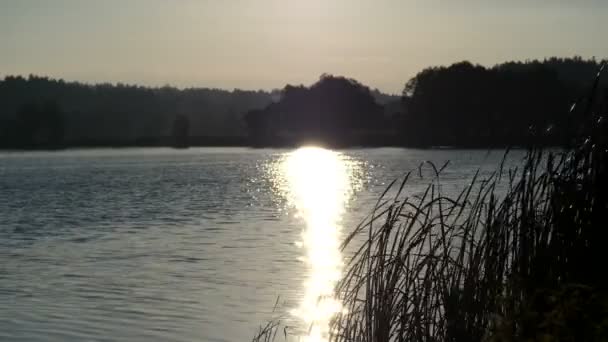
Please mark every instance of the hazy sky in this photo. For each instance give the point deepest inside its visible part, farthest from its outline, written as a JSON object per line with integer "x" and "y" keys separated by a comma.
{"x": 255, "y": 44}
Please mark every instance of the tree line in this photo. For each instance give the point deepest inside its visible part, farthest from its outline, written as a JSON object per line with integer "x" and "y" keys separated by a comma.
{"x": 509, "y": 104}
{"x": 461, "y": 105}
{"x": 40, "y": 112}
{"x": 334, "y": 110}
{"x": 464, "y": 105}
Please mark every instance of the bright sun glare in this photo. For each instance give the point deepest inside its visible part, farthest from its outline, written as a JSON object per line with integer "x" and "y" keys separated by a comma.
{"x": 319, "y": 183}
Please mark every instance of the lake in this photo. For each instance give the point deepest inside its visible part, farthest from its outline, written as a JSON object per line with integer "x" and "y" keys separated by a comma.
{"x": 188, "y": 245}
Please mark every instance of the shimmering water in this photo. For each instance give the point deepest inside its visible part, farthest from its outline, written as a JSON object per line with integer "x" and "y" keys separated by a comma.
{"x": 186, "y": 245}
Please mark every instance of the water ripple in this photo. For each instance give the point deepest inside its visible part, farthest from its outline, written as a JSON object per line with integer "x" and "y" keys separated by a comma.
{"x": 162, "y": 245}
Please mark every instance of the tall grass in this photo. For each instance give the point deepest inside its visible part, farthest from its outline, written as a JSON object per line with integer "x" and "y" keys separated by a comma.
{"x": 491, "y": 264}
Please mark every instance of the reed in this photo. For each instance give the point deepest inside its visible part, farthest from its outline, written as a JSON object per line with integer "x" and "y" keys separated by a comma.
{"x": 518, "y": 255}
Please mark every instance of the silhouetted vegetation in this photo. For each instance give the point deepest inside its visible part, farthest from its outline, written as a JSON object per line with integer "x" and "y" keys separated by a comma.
{"x": 334, "y": 110}
{"x": 36, "y": 125}
{"x": 491, "y": 264}
{"x": 180, "y": 131}
{"x": 464, "y": 105}
{"x": 487, "y": 265}
{"x": 116, "y": 115}
{"x": 509, "y": 104}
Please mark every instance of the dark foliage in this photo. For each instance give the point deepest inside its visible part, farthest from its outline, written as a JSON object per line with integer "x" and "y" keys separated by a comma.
{"x": 123, "y": 114}
{"x": 36, "y": 125}
{"x": 490, "y": 266}
{"x": 494, "y": 263}
{"x": 334, "y": 110}
{"x": 464, "y": 105}
{"x": 181, "y": 126}
{"x": 511, "y": 104}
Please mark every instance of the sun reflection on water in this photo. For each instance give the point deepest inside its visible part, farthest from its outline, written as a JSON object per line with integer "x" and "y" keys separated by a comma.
{"x": 318, "y": 184}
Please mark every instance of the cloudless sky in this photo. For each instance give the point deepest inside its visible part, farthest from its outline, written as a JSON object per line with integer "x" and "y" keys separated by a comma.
{"x": 264, "y": 44}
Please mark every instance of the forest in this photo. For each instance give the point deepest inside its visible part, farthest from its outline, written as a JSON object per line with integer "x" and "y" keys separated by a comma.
{"x": 507, "y": 105}
{"x": 38, "y": 112}
{"x": 461, "y": 105}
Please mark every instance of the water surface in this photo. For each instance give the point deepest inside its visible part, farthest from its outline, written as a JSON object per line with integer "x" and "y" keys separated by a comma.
{"x": 187, "y": 245}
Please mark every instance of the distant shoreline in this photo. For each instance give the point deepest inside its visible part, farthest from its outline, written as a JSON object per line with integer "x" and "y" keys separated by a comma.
{"x": 245, "y": 142}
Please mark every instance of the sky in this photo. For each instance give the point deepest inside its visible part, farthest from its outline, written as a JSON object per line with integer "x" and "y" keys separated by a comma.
{"x": 265, "y": 44}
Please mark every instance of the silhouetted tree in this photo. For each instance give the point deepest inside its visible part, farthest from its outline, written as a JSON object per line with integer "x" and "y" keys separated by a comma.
{"x": 334, "y": 110}
{"x": 126, "y": 114}
{"x": 460, "y": 105}
{"x": 508, "y": 104}
{"x": 181, "y": 126}
{"x": 37, "y": 125}
{"x": 259, "y": 125}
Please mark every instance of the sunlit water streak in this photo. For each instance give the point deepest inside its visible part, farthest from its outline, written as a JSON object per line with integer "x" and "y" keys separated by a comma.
{"x": 319, "y": 183}
{"x": 154, "y": 244}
